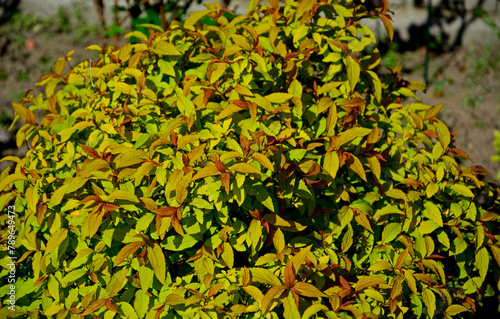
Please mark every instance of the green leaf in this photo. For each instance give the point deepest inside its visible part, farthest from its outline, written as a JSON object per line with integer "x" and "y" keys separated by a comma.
{"x": 462, "y": 190}
{"x": 434, "y": 213}
{"x": 482, "y": 262}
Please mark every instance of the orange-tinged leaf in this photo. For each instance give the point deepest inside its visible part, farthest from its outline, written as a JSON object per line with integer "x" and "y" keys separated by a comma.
{"x": 433, "y": 111}
{"x": 243, "y": 90}
{"x": 215, "y": 289}
{"x": 93, "y": 307}
{"x": 244, "y": 168}
{"x": 289, "y": 275}
{"x": 363, "y": 221}
{"x": 225, "y": 179}
{"x": 246, "y": 277}
{"x": 402, "y": 258}
{"x": 308, "y": 290}
{"x": 387, "y": 25}
{"x": 209, "y": 170}
{"x": 228, "y": 111}
{"x": 187, "y": 139}
{"x": 273, "y": 292}
{"x": 368, "y": 281}
{"x": 117, "y": 282}
{"x": 126, "y": 251}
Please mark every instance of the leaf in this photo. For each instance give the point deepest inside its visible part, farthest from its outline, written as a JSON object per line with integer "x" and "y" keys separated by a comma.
{"x": 122, "y": 194}
{"x": 402, "y": 258}
{"x": 209, "y": 170}
{"x": 299, "y": 258}
{"x": 443, "y": 134}
{"x": 289, "y": 275}
{"x": 380, "y": 266}
{"x": 243, "y": 90}
{"x": 353, "y": 71}
{"x": 455, "y": 309}
{"x": 308, "y": 290}
{"x": 351, "y": 134}
{"x": 195, "y": 17}
{"x": 220, "y": 69}
{"x": 331, "y": 163}
{"x": 433, "y": 111}
{"x": 93, "y": 307}
{"x": 355, "y": 165}
{"x": 374, "y": 165}
{"x": 396, "y": 193}
{"x": 117, "y": 282}
{"x": 410, "y": 280}
{"x": 429, "y": 301}
{"x": 312, "y": 310}
{"x": 290, "y": 308}
{"x": 166, "y": 48}
{"x": 157, "y": 260}
{"x": 264, "y": 276}
{"x": 278, "y": 97}
{"x": 434, "y": 213}
{"x": 462, "y": 190}
{"x": 126, "y": 251}
{"x": 387, "y": 25}
{"x": 244, "y": 168}
{"x": 271, "y": 293}
{"x": 280, "y": 222}
{"x": 228, "y": 255}
{"x": 56, "y": 240}
{"x": 368, "y": 281}
{"x": 263, "y": 160}
{"x": 482, "y": 262}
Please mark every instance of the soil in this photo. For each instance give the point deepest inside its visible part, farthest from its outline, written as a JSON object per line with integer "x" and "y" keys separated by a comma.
{"x": 466, "y": 81}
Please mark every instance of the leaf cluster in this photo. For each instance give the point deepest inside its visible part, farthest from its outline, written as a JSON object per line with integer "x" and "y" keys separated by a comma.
{"x": 254, "y": 168}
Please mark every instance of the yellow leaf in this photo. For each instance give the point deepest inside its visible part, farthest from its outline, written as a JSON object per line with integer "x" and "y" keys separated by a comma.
{"x": 263, "y": 160}
{"x": 220, "y": 69}
{"x": 166, "y": 48}
{"x": 308, "y": 290}
{"x": 157, "y": 260}
{"x": 455, "y": 309}
{"x": 244, "y": 168}
{"x": 410, "y": 280}
{"x": 368, "y": 281}
{"x": 125, "y": 88}
{"x": 278, "y": 97}
{"x": 55, "y": 240}
{"x": 243, "y": 90}
{"x": 228, "y": 255}
{"x": 355, "y": 164}
{"x": 353, "y": 71}
{"x": 126, "y": 251}
{"x": 122, "y": 194}
{"x": 352, "y": 134}
{"x": 374, "y": 165}
{"x": 116, "y": 282}
{"x": 396, "y": 193}
{"x": 11, "y": 179}
{"x": 264, "y": 276}
{"x": 136, "y": 34}
{"x": 209, "y": 170}
{"x": 228, "y": 111}
{"x": 380, "y": 266}
{"x": 194, "y": 17}
{"x": 331, "y": 163}
{"x": 187, "y": 139}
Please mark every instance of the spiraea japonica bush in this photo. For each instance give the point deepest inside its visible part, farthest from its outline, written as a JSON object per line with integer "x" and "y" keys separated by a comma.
{"x": 259, "y": 168}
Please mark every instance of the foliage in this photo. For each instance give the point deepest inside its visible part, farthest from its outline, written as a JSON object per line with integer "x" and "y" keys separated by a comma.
{"x": 496, "y": 144}
{"x": 258, "y": 168}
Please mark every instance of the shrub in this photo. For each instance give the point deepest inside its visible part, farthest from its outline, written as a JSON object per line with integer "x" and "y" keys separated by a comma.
{"x": 255, "y": 169}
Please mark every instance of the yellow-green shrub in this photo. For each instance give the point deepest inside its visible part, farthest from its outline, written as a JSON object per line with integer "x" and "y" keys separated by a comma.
{"x": 255, "y": 169}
